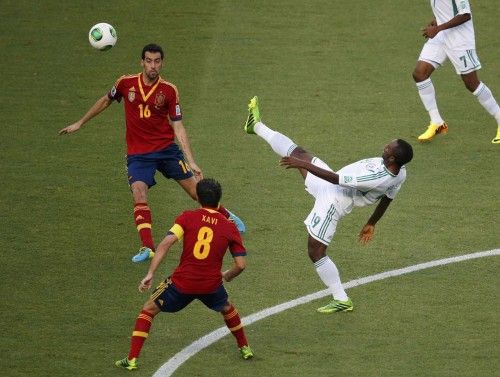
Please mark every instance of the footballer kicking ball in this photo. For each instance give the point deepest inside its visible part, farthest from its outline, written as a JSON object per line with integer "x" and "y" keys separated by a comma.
{"x": 102, "y": 36}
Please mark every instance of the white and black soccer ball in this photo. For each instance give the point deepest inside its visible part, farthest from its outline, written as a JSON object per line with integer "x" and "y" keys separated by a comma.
{"x": 102, "y": 36}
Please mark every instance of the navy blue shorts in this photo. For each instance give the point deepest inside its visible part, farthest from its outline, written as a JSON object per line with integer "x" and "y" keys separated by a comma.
{"x": 170, "y": 162}
{"x": 168, "y": 298}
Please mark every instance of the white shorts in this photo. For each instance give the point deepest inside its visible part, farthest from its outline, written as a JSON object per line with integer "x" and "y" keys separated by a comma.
{"x": 322, "y": 221}
{"x": 435, "y": 52}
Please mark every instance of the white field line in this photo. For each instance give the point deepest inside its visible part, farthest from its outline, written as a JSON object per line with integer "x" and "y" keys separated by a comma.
{"x": 182, "y": 356}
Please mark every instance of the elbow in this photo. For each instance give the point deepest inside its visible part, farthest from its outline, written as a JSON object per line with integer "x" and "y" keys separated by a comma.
{"x": 241, "y": 265}
{"x": 241, "y": 268}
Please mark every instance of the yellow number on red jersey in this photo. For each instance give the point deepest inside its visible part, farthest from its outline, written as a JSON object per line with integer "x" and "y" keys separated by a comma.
{"x": 202, "y": 246}
{"x": 144, "y": 111}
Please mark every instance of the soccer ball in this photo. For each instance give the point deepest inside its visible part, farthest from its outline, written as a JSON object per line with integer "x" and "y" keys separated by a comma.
{"x": 102, "y": 36}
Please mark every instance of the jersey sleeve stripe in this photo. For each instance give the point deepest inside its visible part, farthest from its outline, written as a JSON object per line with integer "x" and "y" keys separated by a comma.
{"x": 239, "y": 253}
{"x": 371, "y": 177}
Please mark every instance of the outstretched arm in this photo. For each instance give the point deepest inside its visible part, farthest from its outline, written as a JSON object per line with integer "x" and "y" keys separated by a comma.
{"x": 368, "y": 230}
{"x": 160, "y": 253}
{"x": 101, "y": 104}
{"x": 236, "y": 269}
{"x": 182, "y": 137}
{"x": 293, "y": 162}
{"x": 431, "y": 30}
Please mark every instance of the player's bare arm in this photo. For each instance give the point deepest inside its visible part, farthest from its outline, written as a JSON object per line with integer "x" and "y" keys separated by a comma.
{"x": 431, "y": 30}
{"x": 182, "y": 138}
{"x": 237, "y": 268}
{"x": 293, "y": 162}
{"x": 160, "y": 253}
{"x": 100, "y": 105}
{"x": 366, "y": 234}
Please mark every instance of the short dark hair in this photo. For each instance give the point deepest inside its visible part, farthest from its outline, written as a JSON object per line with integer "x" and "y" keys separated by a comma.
{"x": 209, "y": 192}
{"x": 152, "y": 47}
{"x": 403, "y": 152}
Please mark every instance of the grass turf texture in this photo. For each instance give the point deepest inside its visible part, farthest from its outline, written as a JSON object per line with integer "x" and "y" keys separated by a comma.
{"x": 335, "y": 77}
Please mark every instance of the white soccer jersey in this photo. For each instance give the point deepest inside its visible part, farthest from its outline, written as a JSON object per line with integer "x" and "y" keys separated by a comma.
{"x": 460, "y": 37}
{"x": 368, "y": 181}
{"x": 360, "y": 184}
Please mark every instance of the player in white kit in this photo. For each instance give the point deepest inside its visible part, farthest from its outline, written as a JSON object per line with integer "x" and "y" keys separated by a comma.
{"x": 451, "y": 36}
{"x": 359, "y": 184}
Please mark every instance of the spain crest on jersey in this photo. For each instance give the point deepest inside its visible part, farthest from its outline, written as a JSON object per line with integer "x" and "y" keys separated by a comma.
{"x": 159, "y": 99}
{"x": 131, "y": 94}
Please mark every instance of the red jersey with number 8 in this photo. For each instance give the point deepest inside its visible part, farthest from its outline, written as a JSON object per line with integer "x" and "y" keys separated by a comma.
{"x": 148, "y": 111}
{"x": 207, "y": 235}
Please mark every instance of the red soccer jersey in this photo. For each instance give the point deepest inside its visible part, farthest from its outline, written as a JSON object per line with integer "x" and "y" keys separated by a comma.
{"x": 147, "y": 112}
{"x": 207, "y": 235}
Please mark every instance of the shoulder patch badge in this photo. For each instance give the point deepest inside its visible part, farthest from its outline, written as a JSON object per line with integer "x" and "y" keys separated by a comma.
{"x": 131, "y": 94}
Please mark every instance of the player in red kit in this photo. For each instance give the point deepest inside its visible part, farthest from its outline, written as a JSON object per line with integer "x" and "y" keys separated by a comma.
{"x": 206, "y": 235}
{"x": 153, "y": 119}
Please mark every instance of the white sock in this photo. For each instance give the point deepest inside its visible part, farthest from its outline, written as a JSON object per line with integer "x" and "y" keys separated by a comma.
{"x": 280, "y": 143}
{"x": 329, "y": 274}
{"x": 486, "y": 99}
{"x": 428, "y": 96}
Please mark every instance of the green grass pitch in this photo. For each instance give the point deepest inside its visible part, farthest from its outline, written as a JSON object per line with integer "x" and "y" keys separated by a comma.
{"x": 335, "y": 76}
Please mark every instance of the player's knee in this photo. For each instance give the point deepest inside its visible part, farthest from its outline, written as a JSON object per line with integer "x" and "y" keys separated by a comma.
{"x": 298, "y": 151}
{"x": 315, "y": 249}
{"x": 471, "y": 84}
{"x": 227, "y": 306}
{"x": 422, "y": 71}
{"x": 139, "y": 192}
{"x": 301, "y": 153}
{"x": 419, "y": 75}
{"x": 316, "y": 254}
{"x": 151, "y": 307}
